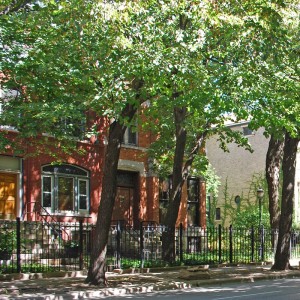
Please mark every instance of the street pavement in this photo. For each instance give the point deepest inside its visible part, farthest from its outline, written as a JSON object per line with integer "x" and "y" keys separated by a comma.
{"x": 70, "y": 285}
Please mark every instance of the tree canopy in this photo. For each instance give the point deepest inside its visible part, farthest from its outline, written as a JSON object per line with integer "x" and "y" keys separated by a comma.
{"x": 206, "y": 60}
{"x": 218, "y": 56}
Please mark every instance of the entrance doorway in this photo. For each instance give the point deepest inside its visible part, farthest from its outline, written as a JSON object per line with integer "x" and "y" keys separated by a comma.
{"x": 8, "y": 196}
{"x": 126, "y": 208}
{"x": 123, "y": 205}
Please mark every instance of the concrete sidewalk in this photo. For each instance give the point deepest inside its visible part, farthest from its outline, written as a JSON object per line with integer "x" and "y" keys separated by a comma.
{"x": 71, "y": 285}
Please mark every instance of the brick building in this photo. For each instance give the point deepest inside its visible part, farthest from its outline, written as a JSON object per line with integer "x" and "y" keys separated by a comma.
{"x": 37, "y": 188}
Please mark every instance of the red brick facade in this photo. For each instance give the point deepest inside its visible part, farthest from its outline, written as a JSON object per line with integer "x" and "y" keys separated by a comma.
{"x": 35, "y": 186}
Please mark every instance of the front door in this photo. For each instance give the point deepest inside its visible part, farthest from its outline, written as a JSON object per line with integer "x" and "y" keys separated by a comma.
{"x": 126, "y": 208}
{"x": 8, "y": 196}
{"x": 123, "y": 205}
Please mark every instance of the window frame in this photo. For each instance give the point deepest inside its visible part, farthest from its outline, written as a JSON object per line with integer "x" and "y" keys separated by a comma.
{"x": 195, "y": 201}
{"x": 58, "y": 173}
{"x": 51, "y": 192}
{"x": 127, "y": 137}
{"x": 75, "y": 128}
{"x": 162, "y": 200}
{"x": 86, "y": 195}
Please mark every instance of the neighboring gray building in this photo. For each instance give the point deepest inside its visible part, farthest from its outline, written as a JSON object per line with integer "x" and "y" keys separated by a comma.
{"x": 240, "y": 173}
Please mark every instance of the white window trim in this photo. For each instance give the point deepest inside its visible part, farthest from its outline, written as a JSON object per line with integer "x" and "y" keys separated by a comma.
{"x": 53, "y": 210}
{"x": 86, "y": 195}
{"x": 48, "y": 209}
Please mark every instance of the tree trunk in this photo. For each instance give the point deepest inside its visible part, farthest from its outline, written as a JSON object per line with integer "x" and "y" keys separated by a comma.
{"x": 180, "y": 174}
{"x": 285, "y": 224}
{"x": 96, "y": 272}
{"x": 273, "y": 167}
{"x": 168, "y": 242}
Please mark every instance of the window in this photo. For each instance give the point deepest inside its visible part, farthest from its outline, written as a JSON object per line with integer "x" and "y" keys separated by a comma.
{"x": 3, "y": 123}
{"x": 5, "y": 111}
{"x": 218, "y": 214}
{"x": 83, "y": 194}
{"x": 47, "y": 191}
{"x": 247, "y": 131}
{"x": 165, "y": 186}
{"x": 130, "y": 136}
{"x": 193, "y": 201}
{"x": 65, "y": 188}
{"x": 73, "y": 127}
{"x": 237, "y": 200}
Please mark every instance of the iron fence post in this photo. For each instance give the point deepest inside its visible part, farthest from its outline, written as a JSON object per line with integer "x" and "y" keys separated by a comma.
{"x": 181, "y": 243}
{"x": 262, "y": 243}
{"x": 80, "y": 245}
{"x": 252, "y": 243}
{"x": 18, "y": 245}
{"x": 142, "y": 245}
{"x": 292, "y": 243}
{"x": 230, "y": 245}
{"x": 220, "y": 243}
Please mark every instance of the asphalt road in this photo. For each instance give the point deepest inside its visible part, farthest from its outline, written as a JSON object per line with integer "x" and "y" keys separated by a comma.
{"x": 268, "y": 289}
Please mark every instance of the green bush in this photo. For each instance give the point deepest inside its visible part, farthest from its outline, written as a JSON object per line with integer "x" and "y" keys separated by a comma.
{"x": 249, "y": 216}
{"x": 8, "y": 240}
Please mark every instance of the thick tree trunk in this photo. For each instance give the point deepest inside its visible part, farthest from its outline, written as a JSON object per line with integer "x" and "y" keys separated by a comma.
{"x": 96, "y": 272}
{"x": 178, "y": 178}
{"x": 168, "y": 242}
{"x": 273, "y": 167}
{"x": 285, "y": 225}
{"x": 181, "y": 170}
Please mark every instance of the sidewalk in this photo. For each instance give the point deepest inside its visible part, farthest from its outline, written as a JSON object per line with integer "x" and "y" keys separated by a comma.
{"x": 71, "y": 285}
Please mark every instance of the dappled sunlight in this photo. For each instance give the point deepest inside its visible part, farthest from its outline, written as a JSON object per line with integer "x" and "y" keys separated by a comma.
{"x": 142, "y": 287}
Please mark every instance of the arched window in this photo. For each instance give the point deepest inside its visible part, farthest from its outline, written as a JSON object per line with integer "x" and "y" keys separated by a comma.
{"x": 65, "y": 188}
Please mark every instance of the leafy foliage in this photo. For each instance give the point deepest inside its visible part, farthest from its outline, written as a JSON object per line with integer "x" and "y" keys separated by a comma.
{"x": 8, "y": 240}
{"x": 63, "y": 59}
{"x": 249, "y": 216}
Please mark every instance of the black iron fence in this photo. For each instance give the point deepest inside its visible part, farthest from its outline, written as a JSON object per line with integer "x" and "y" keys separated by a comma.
{"x": 43, "y": 247}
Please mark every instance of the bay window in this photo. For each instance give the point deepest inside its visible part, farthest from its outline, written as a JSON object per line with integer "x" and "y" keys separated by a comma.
{"x": 65, "y": 189}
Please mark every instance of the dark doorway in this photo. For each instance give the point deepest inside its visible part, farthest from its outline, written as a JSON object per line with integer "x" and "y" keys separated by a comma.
{"x": 126, "y": 207}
